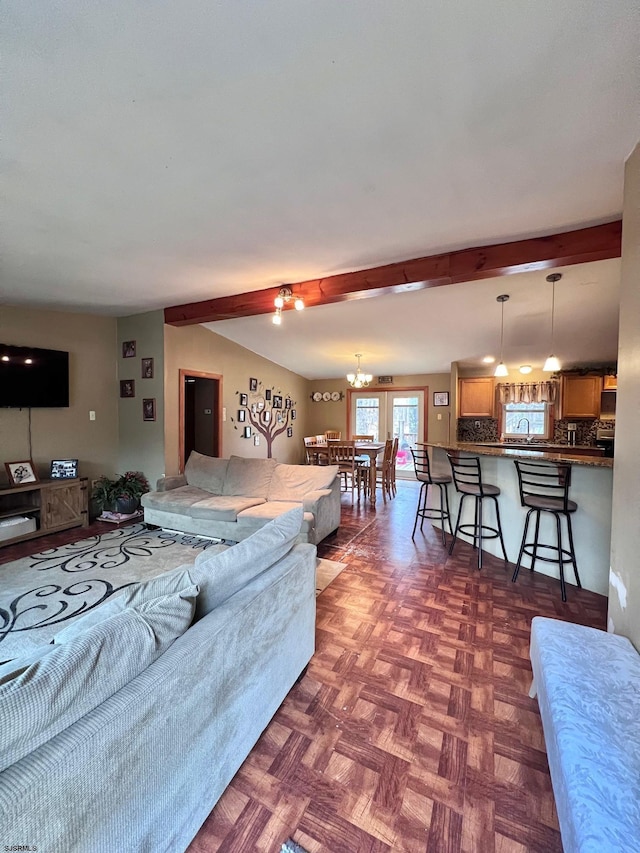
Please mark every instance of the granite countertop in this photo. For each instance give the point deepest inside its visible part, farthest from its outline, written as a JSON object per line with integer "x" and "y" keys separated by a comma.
{"x": 534, "y": 454}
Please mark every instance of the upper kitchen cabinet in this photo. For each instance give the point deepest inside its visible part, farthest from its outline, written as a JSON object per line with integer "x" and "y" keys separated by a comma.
{"x": 580, "y": 396}
{"x": 476, "y": 398}
{"x": 610, "y": 383}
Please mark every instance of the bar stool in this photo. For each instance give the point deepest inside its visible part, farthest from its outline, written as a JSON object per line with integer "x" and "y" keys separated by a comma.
{"x": 467, "y": 478}
{"x": 422, "y": 469}
{"x": 544, "y": 487}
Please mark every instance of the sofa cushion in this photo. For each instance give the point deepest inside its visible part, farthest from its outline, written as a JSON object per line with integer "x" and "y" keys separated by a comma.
{"x": 42, "y": 697}
{"x": 248, "y": 477}
{"x": 293, "y": 482}
{"x": 175, "y": 500}
{"x": 222, "y": 507}
{"x": 167, "y": 583}
{"x": 206, "y": 472}
{"x": 221, "y": 575}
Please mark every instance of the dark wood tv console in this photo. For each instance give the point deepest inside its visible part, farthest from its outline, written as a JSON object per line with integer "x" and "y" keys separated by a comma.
{"x": 53, "y": 504}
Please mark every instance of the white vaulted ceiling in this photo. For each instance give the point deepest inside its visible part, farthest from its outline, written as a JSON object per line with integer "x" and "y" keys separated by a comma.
{"x": 161, "y": 153}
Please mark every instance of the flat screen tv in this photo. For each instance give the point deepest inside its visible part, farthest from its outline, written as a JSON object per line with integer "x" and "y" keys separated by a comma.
{"x": 32, "y": 378}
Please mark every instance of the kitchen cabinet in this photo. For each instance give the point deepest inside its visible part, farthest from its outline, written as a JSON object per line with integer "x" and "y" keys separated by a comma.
{"x": 580, "y": 396}
{"x": 476, "y": 398}
{"x": 54, "y": 505}
{"x": 610, "y": 383}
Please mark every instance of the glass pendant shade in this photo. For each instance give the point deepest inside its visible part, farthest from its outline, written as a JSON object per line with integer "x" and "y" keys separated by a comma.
{"x": 551, "y": 364}
{"x": 501, "y": 369}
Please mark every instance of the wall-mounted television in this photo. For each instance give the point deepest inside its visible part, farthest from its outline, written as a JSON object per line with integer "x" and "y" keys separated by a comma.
{"x": 32, "y": 378}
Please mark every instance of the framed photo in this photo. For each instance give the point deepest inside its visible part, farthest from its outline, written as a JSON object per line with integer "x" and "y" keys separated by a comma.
{"x": 127, "y": 388}
{"x": 21, "y": 473}
{"x": 293, "y": 414}
{"x": 253, "y": 384}
{"x": 241, "y": 415}
{"x": 247, "y": 432}
{"x": 277, "y": 401}
{"x": 244, "y": 400}
{"x": 287, "y": 403}
{"x": 267, "y": 394}
{"x": 128, "y": 349}
{"x": 149, "y": 409}
{"x": 440, "y": 398}
{"x": 266, "y": 416}
{"x": 64, "y": 469}
{"x": 289, "y": 432}
{"x": 256, "y": 440}
{"x": 147, "y": 368}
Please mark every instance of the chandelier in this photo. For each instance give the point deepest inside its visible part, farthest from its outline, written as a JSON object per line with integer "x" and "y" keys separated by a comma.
{"x": 284, "y": 297}
{"x": 359, "y": 379}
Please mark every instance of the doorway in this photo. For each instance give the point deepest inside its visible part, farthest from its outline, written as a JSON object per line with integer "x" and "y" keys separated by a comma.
{"x": 389, "y": 414}
{"x": 200, "y": 414}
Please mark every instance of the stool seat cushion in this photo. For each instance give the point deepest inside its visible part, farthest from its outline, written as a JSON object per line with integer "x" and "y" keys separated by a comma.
{"x": 436, "y": 479}
{"x": 472, "y": 489}
{"x": 545, "y": 502}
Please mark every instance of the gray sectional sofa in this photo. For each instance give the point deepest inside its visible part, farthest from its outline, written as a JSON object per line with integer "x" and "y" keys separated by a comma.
{"x": 232, "y": 498}
{"x": 123, "y": 734}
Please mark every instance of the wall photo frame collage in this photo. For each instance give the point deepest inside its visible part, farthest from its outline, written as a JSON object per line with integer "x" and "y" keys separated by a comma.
{"x": 128, "y": 386}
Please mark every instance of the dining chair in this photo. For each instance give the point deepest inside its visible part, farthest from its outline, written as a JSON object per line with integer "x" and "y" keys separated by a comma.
{"x": 333, "y": 435}
{"x": 392, "y": 470}
{"x": 363, "y": 437}
{"x": 343, "y": 454}
{"x": 310, "y": 441}
{"x": 383, "y": 470}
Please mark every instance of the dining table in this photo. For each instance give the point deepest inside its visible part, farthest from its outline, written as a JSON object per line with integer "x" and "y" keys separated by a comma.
{"x": 372, "y": 449}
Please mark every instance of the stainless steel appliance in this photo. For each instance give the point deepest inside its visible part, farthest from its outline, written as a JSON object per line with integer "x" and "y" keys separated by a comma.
{"x": 605, "y": 438}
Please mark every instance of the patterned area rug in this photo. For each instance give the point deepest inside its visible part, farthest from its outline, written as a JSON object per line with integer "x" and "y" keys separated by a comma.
{"x": 41, "y": 593}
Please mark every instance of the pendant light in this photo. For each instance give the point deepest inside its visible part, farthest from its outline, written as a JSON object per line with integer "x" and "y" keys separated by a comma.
{"x": 552, "y": 364}
{"x": 501, "y": 368}
{"x": 359, "y": 379}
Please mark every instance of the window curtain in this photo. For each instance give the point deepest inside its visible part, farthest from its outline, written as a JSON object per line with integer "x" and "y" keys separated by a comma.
{"x": 528, "y": 392}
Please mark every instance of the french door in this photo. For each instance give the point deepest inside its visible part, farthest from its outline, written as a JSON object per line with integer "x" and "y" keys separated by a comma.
{"x": 390, "y": 414}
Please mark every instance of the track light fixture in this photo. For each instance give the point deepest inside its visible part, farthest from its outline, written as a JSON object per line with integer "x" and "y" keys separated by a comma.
{"x": 284, "y": 297}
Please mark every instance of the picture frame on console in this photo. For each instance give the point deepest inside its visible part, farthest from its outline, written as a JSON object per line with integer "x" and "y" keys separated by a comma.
{"x": 64, "y": 469}
{"x": 21, "y": 473}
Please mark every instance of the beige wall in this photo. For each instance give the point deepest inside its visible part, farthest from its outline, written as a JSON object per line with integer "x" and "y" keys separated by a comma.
{"x": 141, "y": 443}
{"x": 624, "y": 585}
{"x": 196, "y": 348}
{"x": 330, "y": 415}
{"x": 66, "y": 433}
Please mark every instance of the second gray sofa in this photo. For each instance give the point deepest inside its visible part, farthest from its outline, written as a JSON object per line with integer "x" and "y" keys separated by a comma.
{"x": 232, "y": 498}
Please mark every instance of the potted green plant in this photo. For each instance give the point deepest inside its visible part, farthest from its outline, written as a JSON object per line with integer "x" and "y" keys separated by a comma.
{"x": 120, "y": 495}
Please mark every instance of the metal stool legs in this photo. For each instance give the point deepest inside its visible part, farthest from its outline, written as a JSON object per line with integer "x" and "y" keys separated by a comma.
{"x": 422, "y": 511}
{"x": 478, "y": 528}
{"x": 563, "y": 555}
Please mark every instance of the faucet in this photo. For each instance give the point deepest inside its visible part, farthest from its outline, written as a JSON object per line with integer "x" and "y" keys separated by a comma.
{"x": 526, "y": 420}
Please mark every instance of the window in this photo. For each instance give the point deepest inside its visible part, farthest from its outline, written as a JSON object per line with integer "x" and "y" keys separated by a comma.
{"x": 522, "y": 419}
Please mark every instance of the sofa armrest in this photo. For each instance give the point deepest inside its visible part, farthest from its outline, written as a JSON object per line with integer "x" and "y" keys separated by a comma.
{"x": 165, "y": 484}
{"x": 311, "y": 499}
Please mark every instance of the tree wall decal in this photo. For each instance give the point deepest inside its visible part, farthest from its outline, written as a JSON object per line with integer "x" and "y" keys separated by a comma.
{"x": 268, "y": 411}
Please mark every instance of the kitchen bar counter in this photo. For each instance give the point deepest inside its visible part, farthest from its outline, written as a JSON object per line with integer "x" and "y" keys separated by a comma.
{"x": 554, "y": 453}
{"x": 591, "y": 489}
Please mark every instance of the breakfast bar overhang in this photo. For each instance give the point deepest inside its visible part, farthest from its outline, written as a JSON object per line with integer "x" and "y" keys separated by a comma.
{"x": 591, "y": 489}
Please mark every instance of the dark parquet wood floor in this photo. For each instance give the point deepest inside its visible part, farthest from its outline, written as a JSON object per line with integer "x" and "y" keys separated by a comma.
{"x": 412, "y": 729}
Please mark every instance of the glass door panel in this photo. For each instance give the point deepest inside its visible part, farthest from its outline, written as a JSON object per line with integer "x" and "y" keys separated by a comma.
{"x": 390, "y": 414}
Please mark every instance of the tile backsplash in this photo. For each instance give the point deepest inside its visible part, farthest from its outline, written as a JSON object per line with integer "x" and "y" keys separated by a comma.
{"x": 486, "y": 429}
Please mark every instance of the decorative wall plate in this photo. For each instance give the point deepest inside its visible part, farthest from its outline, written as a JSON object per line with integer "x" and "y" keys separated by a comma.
{"x": 317, "y": 396}
{"x": 326, "y": 396}
{"x": 336, "y": 396}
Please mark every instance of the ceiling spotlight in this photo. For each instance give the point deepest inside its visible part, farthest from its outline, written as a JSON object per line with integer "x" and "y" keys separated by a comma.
{"x": 488, "y": 359}
{"x": 525, "y": 368}
{"x": 501, "y": 369}
{"x": 284, "y": 297}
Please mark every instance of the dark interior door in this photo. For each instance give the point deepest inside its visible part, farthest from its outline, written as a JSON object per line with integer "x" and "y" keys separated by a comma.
{"x": 201, "y": 422}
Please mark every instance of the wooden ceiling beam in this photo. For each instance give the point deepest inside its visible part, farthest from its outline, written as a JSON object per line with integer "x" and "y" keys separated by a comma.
{"x": 597, "y": 243}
